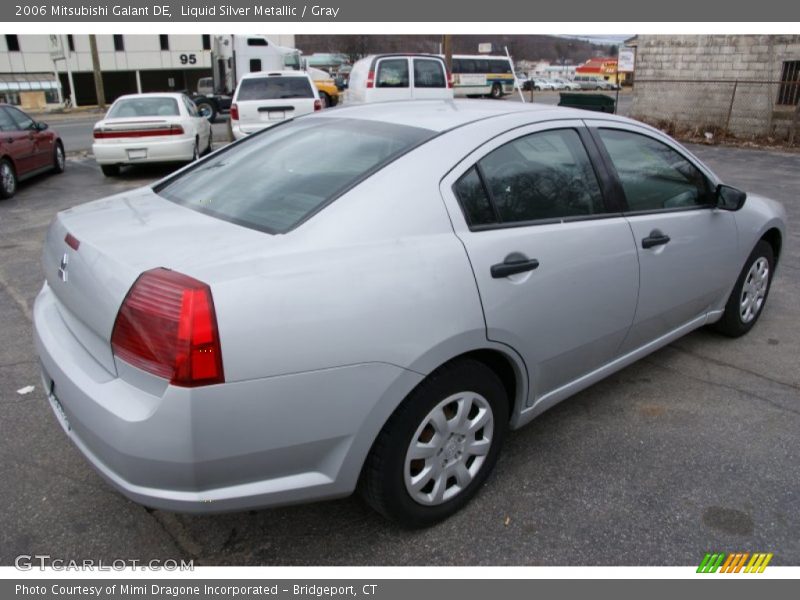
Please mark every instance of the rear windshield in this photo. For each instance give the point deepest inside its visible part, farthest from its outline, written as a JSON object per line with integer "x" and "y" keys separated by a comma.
{"x": 274, "y": 180}
{"x": 274, "y": 88}
{"x": 144, "y": 107}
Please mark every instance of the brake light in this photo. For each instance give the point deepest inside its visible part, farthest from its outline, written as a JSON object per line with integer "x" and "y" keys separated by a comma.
{"x": 167, "y": 326}
{"x": 317, "y": 104}
{"x": 449, "y": 80}
{"x": 102, "y": 133}
{"x": 72, "y": 241}
{"x": 234, "y": 112}
{"x": 371, "y": 79}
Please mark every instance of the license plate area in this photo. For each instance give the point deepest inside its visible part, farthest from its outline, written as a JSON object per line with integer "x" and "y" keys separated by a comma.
{"x": 137, "y": 154}
{"x": 58, "y": 410}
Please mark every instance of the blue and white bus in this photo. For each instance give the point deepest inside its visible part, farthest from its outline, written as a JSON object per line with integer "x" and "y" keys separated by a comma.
{"x": 482, "y": 75}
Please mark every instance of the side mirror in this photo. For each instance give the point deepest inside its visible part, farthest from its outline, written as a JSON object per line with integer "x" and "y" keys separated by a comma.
{"x": 39, "y": 126}
{"x": 729, "y": 198}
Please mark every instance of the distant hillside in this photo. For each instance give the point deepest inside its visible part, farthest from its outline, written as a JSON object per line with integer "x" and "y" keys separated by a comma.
{"x": 528, "y": 47}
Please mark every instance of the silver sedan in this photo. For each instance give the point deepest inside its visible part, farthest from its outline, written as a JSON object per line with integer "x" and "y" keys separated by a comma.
{"x": 282, "y": 323}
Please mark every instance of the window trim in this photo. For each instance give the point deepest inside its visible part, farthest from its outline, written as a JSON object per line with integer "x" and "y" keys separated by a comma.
{"x": 611, "y": 206}
{"x": 611, "y": 169}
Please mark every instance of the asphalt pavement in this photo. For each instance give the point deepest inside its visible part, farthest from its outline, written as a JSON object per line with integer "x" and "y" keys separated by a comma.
{"x": 694, "y": 449}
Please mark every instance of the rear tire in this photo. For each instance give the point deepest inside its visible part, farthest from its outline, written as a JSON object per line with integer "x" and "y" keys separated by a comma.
{"x": 749, "y": 295}
{"x": 59, "y": 160}
{"x": 110, "y": 170}
{"x": 8, "y": 179}
{"x": 497, "y": 91}
{"x": 209, "y": 148}
{"x": 326, "y": 99}
{"x": 457, "y": 418}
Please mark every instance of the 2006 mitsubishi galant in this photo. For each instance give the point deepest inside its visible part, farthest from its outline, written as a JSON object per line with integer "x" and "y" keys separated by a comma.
{"x": 372, "y": 296}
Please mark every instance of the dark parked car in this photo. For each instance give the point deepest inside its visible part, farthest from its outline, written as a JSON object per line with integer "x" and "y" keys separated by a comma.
{"x": 27, "y": 148}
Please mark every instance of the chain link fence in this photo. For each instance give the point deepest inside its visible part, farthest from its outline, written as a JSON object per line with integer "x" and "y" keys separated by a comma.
{"x": 760, "y": 111}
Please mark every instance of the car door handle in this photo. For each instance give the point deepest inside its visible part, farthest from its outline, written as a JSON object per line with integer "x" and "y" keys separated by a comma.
{"x": 514, "y": 263}
{"x": 656, "y": 238}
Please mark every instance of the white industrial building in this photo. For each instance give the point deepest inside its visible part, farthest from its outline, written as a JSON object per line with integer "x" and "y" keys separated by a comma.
{"x": 36, "y": 69}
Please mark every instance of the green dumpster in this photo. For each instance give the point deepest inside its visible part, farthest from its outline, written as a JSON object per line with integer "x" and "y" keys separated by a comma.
{"x": 596, "y": 102}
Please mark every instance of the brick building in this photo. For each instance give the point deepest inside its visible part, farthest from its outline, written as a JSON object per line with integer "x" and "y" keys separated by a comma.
{"x": 748, "y": 85}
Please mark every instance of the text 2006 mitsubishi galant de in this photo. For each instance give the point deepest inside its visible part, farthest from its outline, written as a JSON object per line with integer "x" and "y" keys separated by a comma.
{"x": 370, "y": 297}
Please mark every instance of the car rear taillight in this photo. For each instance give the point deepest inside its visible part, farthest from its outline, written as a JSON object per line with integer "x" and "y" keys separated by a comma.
{"x": 104, "y": 133}
{"x": 234, "y": 112}
{"x": 371, "y": 79}
{"x": 317, "y": 104}
{"x": 449, "y": 80}
{"x": 167, "y": 326}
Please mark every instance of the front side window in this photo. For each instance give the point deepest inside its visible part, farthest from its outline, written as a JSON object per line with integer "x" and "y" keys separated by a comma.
{"x": 276, "y": 179}
{"x": 6, "y": 122}
{"x": 428, "y": 73}
{"x": 653, "y": 175}
{"x": 22, "y": 120}
{"x": 392, "y": 73}
{"x": 542, "y": 176}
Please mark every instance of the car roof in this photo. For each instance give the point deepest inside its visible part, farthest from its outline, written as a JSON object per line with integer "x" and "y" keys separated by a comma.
{"x": 263, "y": 74}
{"x": 442, "y": 115}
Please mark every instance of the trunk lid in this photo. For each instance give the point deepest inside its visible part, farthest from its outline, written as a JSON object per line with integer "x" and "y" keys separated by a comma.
{"x": 119, "y": 238}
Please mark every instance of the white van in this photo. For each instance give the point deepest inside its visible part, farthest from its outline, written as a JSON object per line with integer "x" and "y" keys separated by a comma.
{"x": 265, "y": 99}
{"x": 384, "y": 77}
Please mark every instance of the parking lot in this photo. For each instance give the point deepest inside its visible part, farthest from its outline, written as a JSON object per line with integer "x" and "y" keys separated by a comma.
{"x": 693, "y": 449}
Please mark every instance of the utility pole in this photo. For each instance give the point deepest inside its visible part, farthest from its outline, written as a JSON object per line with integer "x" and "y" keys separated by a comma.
{"x": 72, "y": 96}
{"x": 447, "y": 50}
{"x": 98, "y": 76}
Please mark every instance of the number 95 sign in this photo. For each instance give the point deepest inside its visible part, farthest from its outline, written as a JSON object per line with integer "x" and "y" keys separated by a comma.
{"x": 188, "y": 59}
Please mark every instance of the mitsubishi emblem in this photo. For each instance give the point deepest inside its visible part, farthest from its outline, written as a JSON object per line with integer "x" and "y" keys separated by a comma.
{"x": 62, "y": 268}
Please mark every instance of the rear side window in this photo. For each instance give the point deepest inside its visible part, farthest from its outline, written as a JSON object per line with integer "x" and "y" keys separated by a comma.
{"x": 274, "y": 180}
{"x": 274, "y": 88}
{"x": 392, "y": 73}
{"x": 653, "y": 175}
{"x": 144, "y": 107}
{"x": 428, "y": 73}
{"x": 542, "y": 176}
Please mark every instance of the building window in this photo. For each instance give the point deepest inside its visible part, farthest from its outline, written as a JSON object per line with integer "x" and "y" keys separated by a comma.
{"x": 164, "y": 41}
{"x": 206, "y": 42}
{"x": 789, "y": 92}
{"x": 119, "y": 43}
{"x": 71, "y": 42}
{"x": 12, "y": 42}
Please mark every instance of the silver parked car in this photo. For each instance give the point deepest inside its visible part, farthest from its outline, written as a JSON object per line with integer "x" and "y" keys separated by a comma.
{"x": 279, "y": 323}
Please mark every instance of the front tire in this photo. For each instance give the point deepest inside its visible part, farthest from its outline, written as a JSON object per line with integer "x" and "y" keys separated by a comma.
{"x": 8, "y": 179}
{"x": 497, "y": 91}
{"x": 59, "y": 159}
{"x": 749, "y": 295}
{"x": 208, "y": 110}
{"x": 439, "y": 446}
{"x": 326, "y": 99}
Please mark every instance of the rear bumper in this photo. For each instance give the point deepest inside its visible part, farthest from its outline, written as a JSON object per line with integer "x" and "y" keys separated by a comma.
{"x": 117, "y": 153}
{"x": 240, "y": 131}
{"x": 233, "y": 446}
